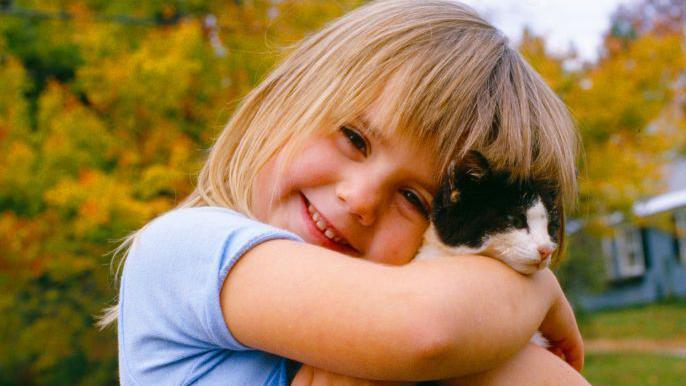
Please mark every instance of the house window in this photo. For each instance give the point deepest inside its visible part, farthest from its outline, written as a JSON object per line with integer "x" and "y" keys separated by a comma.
{"x": 624, "y": 253}
{"x": 680, "y": 232}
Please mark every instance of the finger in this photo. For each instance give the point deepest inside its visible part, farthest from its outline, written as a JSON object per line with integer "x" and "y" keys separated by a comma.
{"x": 303, "y": 377}
{"x": 575, "y": 356}
{"x": 557, "y": 351}
{"x": 320, "y": 378}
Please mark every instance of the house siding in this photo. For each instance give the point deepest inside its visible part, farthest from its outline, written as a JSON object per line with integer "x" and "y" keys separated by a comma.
{"x": 665, "y": 276}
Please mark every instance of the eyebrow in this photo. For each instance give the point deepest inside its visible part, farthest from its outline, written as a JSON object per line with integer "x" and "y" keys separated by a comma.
{"x": 371, "y": 130}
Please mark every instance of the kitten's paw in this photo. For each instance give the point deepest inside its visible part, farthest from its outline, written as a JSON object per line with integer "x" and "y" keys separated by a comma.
{"x": 540, "y": 340}
{"x": 526, "y": 266}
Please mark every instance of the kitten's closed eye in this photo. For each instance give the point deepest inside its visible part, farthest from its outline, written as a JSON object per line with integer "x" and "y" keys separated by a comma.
{"x": 517, "y": 221}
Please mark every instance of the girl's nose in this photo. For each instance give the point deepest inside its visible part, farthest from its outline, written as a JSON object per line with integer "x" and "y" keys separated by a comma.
{"x": 361, "y": 199}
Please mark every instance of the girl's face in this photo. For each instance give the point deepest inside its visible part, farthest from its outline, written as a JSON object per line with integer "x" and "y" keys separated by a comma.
{"x": 356, "y": 191}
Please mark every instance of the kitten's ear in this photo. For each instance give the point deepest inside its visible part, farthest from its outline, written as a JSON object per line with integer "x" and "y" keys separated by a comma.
{"x": 451, "y": 195}
{"x": 473, "y": 166}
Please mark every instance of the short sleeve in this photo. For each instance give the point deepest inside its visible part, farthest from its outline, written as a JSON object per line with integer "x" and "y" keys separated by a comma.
{"x": 169, "y": 296}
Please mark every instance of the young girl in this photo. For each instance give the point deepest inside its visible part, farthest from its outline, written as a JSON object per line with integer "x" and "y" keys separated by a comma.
{"x": 296, "y": 246}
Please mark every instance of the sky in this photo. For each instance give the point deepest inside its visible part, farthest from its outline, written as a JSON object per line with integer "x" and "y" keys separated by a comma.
{"x": 562, "y": 22}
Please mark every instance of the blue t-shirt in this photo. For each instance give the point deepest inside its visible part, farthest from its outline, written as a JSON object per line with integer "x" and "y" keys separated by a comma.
{"x": 171, "y": 329}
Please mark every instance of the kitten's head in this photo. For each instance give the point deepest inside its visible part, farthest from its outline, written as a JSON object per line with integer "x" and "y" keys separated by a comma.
{"x": 480, "y": 208}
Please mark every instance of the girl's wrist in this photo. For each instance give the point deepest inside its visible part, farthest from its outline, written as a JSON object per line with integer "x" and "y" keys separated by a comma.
{"x": 549, "y": 287}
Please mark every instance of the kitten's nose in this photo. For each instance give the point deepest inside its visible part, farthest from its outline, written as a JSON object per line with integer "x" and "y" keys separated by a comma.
{"x": 544, "y": 251}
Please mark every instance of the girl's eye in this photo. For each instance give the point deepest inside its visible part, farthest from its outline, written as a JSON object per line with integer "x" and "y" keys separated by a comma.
{"x": 417, "y": 202}
{"x": 356, "y": 140}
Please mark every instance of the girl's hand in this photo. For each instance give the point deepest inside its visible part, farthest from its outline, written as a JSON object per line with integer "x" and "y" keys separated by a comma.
{"x": 561, "y": 330}
{"x": 310, "y": 376}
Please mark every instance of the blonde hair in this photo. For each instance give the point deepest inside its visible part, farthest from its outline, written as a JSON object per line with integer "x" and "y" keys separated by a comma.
{"x": 460, "y": 87}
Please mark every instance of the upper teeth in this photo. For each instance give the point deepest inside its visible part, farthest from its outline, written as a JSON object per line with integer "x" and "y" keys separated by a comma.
{"x": 323, "y": 226}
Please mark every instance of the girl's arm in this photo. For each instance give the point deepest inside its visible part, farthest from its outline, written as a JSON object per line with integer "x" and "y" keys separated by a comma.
{"x": 310, "y": 376}
{"x": 533, "y": 365}
{"x": 425, "y": 320}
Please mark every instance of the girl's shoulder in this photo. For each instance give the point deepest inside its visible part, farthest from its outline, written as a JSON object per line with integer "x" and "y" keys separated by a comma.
{"x": 170, "y": 319}
{"x": 193, "y": 215}
{"x": 192, "y": 239}
{"x": 200, "y": 225}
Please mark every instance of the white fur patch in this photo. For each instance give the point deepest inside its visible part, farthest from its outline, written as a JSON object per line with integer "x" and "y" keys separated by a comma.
{"x": 433, "y": 247}
{"x": 540, "y": 340}
{"x": 519, "y": 248}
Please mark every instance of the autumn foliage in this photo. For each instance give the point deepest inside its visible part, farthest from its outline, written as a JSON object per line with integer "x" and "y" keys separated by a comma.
{"x": 107, "y": 109}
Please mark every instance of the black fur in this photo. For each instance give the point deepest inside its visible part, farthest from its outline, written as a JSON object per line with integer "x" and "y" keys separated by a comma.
{"x": 474, "y": 201}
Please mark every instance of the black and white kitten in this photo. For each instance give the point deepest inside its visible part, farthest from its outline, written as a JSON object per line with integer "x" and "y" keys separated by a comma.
{"x": 478, "y": 210}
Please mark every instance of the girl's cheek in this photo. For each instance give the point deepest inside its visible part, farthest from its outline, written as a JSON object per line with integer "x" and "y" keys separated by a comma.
{"x": 318, "y": 163}
{"x": 397, "y": 246}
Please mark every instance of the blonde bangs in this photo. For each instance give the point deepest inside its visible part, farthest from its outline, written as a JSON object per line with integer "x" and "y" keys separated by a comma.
{"x": 451, "y": 79}
{"x": 455, "y": 85}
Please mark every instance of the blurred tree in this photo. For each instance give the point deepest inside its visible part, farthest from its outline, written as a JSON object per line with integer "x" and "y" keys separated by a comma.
{"x": 620, "y": 104}
{"x": 629, "y": 107}
{"x": 105, "y": 109}
{"x": 661, "y": 19}
{"x": 618, "y": 110}
{"x": 656, "y": 17}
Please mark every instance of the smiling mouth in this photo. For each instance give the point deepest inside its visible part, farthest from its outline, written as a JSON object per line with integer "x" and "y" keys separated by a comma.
{"x": 321, "y": 224}
{"x": 326, "y": 231}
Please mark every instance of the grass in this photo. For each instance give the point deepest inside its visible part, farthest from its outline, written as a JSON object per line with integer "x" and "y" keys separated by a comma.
{"x": 660, "y": 323}
{"x": 634, "y": 370}
{"x": 664, "y": 322}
